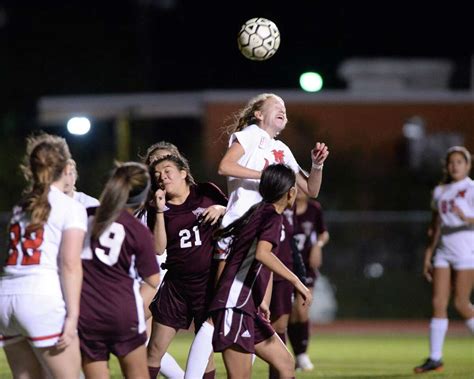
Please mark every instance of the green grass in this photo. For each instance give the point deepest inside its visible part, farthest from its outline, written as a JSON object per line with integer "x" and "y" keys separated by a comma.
{"x": 353, "y": 356}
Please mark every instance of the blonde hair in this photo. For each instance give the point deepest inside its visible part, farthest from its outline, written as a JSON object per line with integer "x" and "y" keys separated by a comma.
{"x": 129, "y": 181}
{"x": 246, "y": 115}
{"x": 44, "y": 162}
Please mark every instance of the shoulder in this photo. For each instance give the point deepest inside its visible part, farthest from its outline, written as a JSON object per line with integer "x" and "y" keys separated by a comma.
{"x": 209, "y": 189}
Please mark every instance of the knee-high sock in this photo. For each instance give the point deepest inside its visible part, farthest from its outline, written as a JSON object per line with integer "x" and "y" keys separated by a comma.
{"x": 298, "y": 334}
{"x": 438, "y": 328}
{"x": 170, "y": 368}
{"x": 470, "y": 324}
{"x": 153, "y": 372}
{"x": 272, "y": 372}
{"x": 199, "y": 353}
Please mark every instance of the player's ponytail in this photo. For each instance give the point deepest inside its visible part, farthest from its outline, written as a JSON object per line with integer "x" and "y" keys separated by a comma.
{"x": 127, "y": 187}
{"x": 44, "y": 163}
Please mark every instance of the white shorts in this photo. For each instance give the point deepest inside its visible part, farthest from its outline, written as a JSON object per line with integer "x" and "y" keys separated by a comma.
{"x": 37, "y": 318}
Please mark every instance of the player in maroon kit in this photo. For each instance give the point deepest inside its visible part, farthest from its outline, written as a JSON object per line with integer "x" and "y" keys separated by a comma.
{"x": 310, "y": 236}
{"x": 118, "y": 253}
{"x": 187, "y": 216}
{"x": 240, "y": 306}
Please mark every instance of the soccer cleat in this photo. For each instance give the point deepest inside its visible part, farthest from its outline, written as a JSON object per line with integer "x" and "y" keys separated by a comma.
{"x": 429, "y": 365}
{"x": 303, "y": 362}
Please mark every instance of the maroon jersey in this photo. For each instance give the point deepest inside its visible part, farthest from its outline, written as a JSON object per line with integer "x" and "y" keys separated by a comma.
{"x": 111, "y": 304}
{"x": 244, "y": 280}
{"x": 190, "y": 244}
{"x": 284, "y": 251}
{"x": 308, "y": 226}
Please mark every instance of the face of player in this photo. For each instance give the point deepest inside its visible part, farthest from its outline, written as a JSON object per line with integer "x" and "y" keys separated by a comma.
{"x": 171, "y": 179}
{"x": 457, "y": 167}
{"x": 69, "y": 179}
{"x": 272, "y": 116}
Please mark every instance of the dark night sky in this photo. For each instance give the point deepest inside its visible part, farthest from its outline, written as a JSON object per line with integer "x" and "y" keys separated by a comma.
{"x": 71, "y": 47}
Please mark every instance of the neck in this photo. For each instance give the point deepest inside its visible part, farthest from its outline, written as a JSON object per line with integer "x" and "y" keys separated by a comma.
{"x": 59, "y": 185}
{"x": 301, "y": 206}
{"x": 280, "y": 206}
{"x": 181, "y": 197}
{"x": 271, "y": 132}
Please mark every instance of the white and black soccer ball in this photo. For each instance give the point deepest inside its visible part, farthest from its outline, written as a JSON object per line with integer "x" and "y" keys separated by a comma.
{"x": 258, "y": 39}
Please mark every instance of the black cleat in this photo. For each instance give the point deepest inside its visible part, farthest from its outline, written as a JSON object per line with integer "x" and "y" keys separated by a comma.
{"x": 429, "y": 365}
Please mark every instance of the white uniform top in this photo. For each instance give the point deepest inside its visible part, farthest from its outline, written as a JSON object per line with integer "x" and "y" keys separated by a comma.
{"x": 457, "y": 236}
{"x": 260, "y": 150}
{"x": 36, "y": 269}
{"x": 86, "y": 200}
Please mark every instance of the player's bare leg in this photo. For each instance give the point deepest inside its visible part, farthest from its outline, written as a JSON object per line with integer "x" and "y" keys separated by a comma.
{"x": 134, "y": 364}
{"x": 160, "y": 339}
{"x": 238, "y": 363}
{"x": 463, "y": 286}
{"x": 95, "y": 369}
{"x": 275, "y": 353}
{"x": 64, "y": 363}
{"x": 22, "y": 361}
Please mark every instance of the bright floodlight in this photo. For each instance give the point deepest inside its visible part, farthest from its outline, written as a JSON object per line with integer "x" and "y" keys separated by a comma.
{"x": 78, "y": 125}
{"x": 311, "y": 82}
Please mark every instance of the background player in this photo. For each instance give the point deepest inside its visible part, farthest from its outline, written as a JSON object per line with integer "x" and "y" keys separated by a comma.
{"x": 452, "y": 242}
{"x": 41, "y": 282}
{"x": 310, "y": 237}
{"x": 84, "y": 199}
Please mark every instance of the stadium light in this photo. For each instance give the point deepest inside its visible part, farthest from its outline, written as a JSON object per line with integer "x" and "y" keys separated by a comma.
{"x": 311, "y": 81}
{"x": 78, "y": 125}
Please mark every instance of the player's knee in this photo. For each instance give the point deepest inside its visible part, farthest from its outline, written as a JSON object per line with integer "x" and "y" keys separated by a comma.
{"x": 439, "y": 303}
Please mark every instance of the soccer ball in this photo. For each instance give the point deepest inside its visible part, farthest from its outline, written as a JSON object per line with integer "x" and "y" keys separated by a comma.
{"x": 258, "y": 39}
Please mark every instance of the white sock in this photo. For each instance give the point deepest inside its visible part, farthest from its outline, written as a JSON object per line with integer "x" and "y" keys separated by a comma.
{"x": 470, "y": 324}
{"x": 438, "y": 329}
{"x": 199, "y": 353}
{"x": 170, "y": 368}
{"x": 254, "y": 356}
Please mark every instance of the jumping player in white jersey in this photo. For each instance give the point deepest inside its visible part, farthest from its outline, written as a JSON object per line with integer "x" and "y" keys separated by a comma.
{"x": 41, "y": 282}
{"x": 452, "y": 242}
{"x": 81, "y": 197}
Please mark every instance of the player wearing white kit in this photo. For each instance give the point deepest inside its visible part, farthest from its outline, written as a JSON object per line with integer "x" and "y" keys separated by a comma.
{"x": 41, "y": 281}
{"x": 452, "y": 241}
{"x": 81, "y": 197}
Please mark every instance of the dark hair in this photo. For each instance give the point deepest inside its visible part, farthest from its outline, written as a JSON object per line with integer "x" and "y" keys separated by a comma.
{"x": 275, "y": 182}
{"x": 452, "y": 150}
{"x": 180, "y": 163}
{"x": 44, "y": 162}
{"x": 127, "y": 187}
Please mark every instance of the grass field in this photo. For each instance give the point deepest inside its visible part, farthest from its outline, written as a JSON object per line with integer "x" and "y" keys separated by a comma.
{"x": 351, "y": 356}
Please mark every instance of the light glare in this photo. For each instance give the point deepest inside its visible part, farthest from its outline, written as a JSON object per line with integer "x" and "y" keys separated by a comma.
{"x": 78, "y": 125}
{"x": 311, "y": 82}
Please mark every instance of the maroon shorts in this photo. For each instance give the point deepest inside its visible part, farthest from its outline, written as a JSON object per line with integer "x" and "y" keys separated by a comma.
{"x": 234, "y": 327}
{"x": 99, "y": 350}
{"x": 177, "y": 304}
{"x": 281, "y": 302}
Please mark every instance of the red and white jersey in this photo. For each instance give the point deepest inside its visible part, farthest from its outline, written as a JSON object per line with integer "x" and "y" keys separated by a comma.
{"x": 86, "y": 200}
{"x": 33, "y": 257}
{"x": 457, "y": 236}
{"x": 260, "y": 151}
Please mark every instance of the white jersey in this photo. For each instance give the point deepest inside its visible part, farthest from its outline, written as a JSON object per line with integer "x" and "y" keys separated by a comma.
{"x": 260, "y": 151}
{"x": 457, "y": 236}
{"x": 86, "y": 200}
{"x": 32, "y": 265}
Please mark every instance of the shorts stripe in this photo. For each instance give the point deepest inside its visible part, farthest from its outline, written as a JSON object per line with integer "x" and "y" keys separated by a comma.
{"x": 44, "y": 337}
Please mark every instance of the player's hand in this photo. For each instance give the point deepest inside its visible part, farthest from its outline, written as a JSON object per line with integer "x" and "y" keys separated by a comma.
{"x": 69, "y": 333}
{"x": 305, "y": 293}
{"x": 265, "y": 311}
{"x": 160, "y": 199}
{"x": 428, "y": 270}
{"x": 213, "y": 214}
{"x": 319, "y": 153}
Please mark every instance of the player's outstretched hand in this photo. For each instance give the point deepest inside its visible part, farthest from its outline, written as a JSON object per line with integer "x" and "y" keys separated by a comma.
{"x": 319, "y": 153}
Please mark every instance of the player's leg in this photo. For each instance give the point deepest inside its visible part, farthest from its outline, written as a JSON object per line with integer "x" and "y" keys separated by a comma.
{"x": 95, "y": 369}
{"x": 463, "y": 285}
{"x": 134, "y": 364}
{"x": 201, "y": 356}
{"x": 276, "y": 354}
{"x": 22, "y": 360}
{"x": 298, "y": 333}
{"x": 238, "y": 363}
{"x": 160, "y": 339}
{"x": 65, "y": 363}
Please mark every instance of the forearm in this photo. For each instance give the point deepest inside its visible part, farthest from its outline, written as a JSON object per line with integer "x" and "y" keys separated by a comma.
{"x": 270, "y": 260}
{"x": 314, "y": 181}
{"x": 238, "y": 171}
{"x": 71, "y": 281}
{"x": 159, "y": 233}
{"x": 268, "y": 293}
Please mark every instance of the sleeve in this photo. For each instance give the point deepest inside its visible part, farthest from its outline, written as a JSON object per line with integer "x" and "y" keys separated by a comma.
{"x": 271, "y": 229}
{"x": 247, "y": 140}
{"x": 145, "y": 253}
{"x": 76, "y": 217}
{"x": 291, "y": 160}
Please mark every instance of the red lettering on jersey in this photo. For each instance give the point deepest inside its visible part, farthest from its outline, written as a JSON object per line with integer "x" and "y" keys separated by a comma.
{"x": 279, "y": 156}
{"x": 30, "y": 244}
{"x": 461, "y": 193}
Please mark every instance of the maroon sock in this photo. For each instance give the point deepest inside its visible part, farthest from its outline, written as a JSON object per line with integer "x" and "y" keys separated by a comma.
{"x": 298, "y": 333}
{"x": 209, "y": 375}
{"x": 154, "y": 372}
